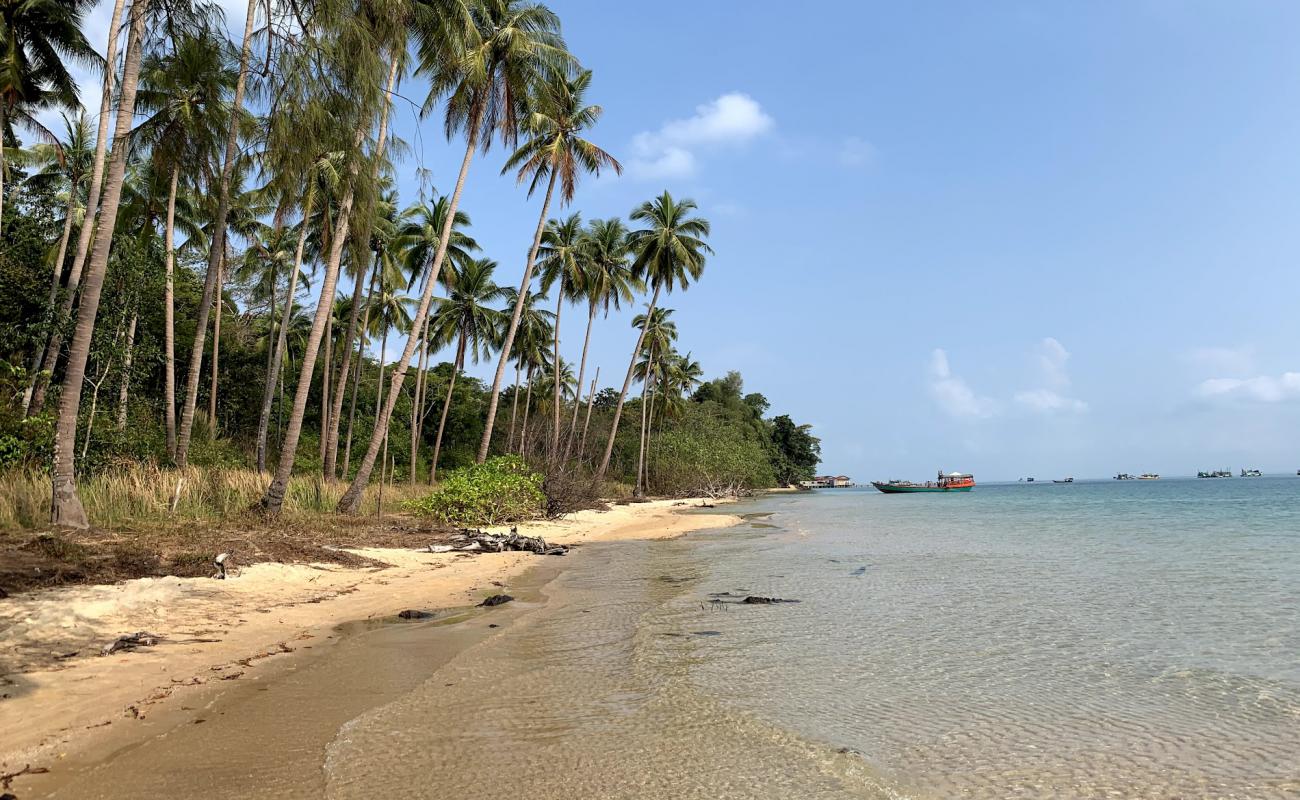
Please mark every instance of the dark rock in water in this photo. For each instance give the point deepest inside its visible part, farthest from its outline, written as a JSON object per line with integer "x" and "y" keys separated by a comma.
{"x": 494, "y": 625}
{"x": 859, "y": 571}
{"x": 497, "y": 600}
{"x": 721, "y": 594}
{"x": 753, "y": 600}
{"x": 412, "y": 613}
{"x": 707, "y": 633}
{"x": 849, "y": 751}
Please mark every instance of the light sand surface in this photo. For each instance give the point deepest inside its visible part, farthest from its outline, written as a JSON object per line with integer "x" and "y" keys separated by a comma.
{"x": 216, "y": 630}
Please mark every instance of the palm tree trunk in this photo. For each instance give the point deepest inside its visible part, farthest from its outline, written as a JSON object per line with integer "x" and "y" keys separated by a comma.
{"x": 216, "y": 348}
{"x": 555, "y": 352}
{"x": 65, "y": 506}
{"x": 326, "y": 381}
{"x": 582, "y": 370}
{"x": 281, "y": 342}
{"x": 514, "y": 409}
{"x": 218, "y": 250}
{"x": 514, "y": 321}
{"x": 41, "y": 380}
{"x": 61, "y": 256}
{"x": 417, "y": 401}
{"x": 640, "y": 459}
{"x": 446, "y": 406}
{"x": 356, "y": 378}
{"x": 528, "y": 404}
{"x": 169, "y": 315}
{"x": 351, "y": 499}
{"x": 591, "y": 401}
{"x": 627, "y": 383}
{"x": 379, "y": 387}
{"x": 125, "y": 388}
{"x": 273, "y": 500}
{"x": 336, "y": 412}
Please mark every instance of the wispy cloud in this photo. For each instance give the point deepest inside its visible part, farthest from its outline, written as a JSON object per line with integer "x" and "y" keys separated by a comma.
{"x": 952, "y": 393}
{"x": 856, "y": 152}
{"x": 1052, "y": 357}
{"x": 1261, "y": 388}
{"x": 1234, "y": 361}
{"x": 673, "y": 150}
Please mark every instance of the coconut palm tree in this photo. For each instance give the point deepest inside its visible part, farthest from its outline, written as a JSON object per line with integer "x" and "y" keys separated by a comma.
{"x": 65, "y": 506}
{"x": 658, "y": 333}
{"x": 418, "y": 238}
{"x": 184, "y": 93}
{"x": 36, "y": 36}
{"x": 607, "y": 281}
{"x": 562, "y": 268}
{"x": 466, "y": 318}
{"x": 485, "y": 70}
{"x": 554, "y": 151}
{"x": 217, "y": 245}
{"x": 670, "y": 252}
{"x": 534, "y": 332}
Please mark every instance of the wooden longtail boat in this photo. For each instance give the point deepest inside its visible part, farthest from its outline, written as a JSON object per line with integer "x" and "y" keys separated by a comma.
{"x": 952, "y": 482}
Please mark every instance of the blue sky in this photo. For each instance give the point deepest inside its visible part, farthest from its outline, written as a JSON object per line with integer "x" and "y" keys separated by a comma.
{"x": 1012, "y": 238}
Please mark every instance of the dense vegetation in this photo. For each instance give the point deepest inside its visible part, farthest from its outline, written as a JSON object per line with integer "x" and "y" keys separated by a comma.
{"x": 198, "y": 276}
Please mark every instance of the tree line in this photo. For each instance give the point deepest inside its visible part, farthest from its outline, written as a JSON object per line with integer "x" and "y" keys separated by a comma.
{"x": 223, "y": 185}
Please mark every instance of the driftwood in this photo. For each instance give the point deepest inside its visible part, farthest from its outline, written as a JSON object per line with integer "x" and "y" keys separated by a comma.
{"x": 468, "y": 540}
{"x": 130, "y": 642}
{"x": 719, "y": 598}
{"x": 497, "y": 600}
{"x": 220, "y": 563}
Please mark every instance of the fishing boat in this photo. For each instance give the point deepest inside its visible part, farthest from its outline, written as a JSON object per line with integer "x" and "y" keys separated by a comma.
{"x": 950, "y": 482}
{"x": 1067, "y": 480}
{"x": 1218, "y": 473}
{"x": 1251, "y": 473}
{"x": 1148, "y": 476}
{"x": 1124, "y": 476}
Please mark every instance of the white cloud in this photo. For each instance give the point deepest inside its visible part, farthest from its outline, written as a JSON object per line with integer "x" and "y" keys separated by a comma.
{"x": 1235, "y": 361}
{"x": 953, "y": 395}
{"x": 856, "y": 152}
{"x": 670, "y": 152}
{"x": 1051, "y": 398}
{"x": 1261, "y": 388}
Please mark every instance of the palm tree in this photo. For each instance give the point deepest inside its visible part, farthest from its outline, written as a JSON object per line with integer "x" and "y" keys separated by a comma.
{"x": 658, "y": 334}
{"x": 562, "y": 267}
{"x": 464, "y": 317}
{"x": 217, "y": 245}
{"x": 35, "y": 37}
{"x": 485, "y": 70}
{"x": 67, "y": 162}
{"x": 184, "y": 94}
{"x": 65, "y": 506}
{"x": 606, "y": 281}
{"x": 670, "y": 252}
{"x": 418, "y": 239}
{"x": 532, "y": 337}
{"x": 555, "y": 150}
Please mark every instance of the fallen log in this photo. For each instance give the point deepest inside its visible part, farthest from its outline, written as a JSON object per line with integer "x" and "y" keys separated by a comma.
{"x": 130, "y": 642}
{"x": 470, "y": 540}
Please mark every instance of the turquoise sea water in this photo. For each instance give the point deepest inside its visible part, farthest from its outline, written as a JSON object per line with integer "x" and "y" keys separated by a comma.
{"x": 1127, "y": 640}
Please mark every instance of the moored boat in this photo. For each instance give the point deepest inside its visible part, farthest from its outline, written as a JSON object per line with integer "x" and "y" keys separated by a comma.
{"x": 1148, "y": 476}
{"x": 1067, "y": 480}
{"x": 950, "y": 482}
{"x": 1251, "y": 473}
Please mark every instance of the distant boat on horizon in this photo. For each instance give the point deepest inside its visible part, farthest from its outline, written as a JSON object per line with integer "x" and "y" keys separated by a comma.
{"x": 1251, "y": 473}
{"x": 1067, "y": 480}
{"x": 1218, "y": 473}
{"x": 1148, "y": 476}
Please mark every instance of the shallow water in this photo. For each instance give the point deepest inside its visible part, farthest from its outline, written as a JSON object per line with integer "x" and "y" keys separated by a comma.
{"x": 1091, "y": 640}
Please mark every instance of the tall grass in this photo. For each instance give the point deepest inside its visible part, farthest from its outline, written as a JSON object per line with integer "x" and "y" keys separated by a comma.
{"x": 142, "y": 495}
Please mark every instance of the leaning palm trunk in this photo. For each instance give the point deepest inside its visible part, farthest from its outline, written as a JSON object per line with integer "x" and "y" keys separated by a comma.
{"x": 577, "y": 392}
{"x": 326, "y": 380}
{"x": 514, "y": 409}
{"x": 417, "y": 402}
{"x": 555, "y": 401}
{"x": 169, "y": 316}
{"x": 351, "y": 499}
{"x": 528, "y": 404}
{"x": 218, "y": 250}
{"x": 57, "y": 269}
{"x": 514, "y": 320}
{"x": 273, "y": 500}
{"x": 65, "y": 506}
{"x": 627, "y": 384}
{"x": 216, "y": 349}
{"x": 36, "y": 398}
{"x": 456, "y": 367}
{"x": 591, "y": 401}
{"x": 281, "y": 342}
{"x": 356, "y": 376}
{"x": 336, "y": 411}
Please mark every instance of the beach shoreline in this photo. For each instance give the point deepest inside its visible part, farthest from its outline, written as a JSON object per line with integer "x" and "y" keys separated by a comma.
{"x": 216, "y": 635}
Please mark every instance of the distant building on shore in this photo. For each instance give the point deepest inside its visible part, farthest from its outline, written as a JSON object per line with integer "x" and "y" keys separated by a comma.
{"x": 828, "y": 482}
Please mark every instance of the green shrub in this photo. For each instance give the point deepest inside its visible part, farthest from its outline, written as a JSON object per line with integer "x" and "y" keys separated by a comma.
{"x": 503, "y": 489}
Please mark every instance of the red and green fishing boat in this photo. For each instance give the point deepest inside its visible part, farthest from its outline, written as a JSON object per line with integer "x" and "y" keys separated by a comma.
{"x": 949, "y": 482}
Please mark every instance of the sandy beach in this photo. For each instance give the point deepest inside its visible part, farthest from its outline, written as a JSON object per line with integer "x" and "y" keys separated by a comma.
{"x": 63, "y": 702}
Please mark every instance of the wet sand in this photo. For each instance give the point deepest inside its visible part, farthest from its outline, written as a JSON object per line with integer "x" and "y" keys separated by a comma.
{"x": 251, "y": 714}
